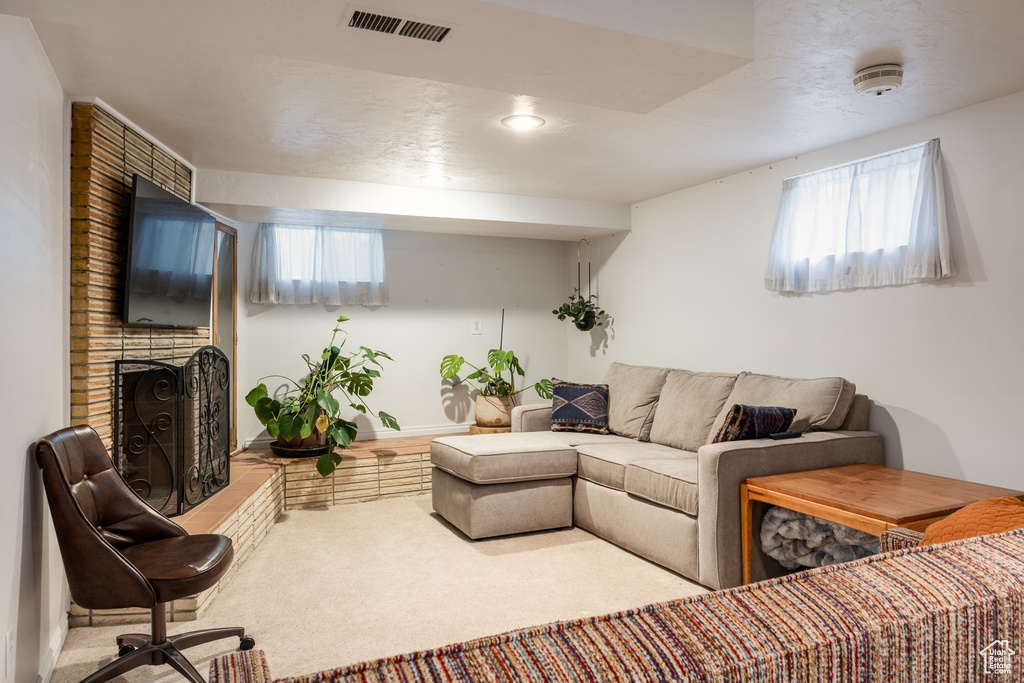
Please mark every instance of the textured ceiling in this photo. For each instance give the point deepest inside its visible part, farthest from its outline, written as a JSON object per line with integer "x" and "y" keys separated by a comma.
{"x": 286, "y": 88}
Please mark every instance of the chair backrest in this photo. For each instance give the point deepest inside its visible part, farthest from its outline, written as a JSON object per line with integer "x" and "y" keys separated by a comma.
{"x": 95, "y": 513}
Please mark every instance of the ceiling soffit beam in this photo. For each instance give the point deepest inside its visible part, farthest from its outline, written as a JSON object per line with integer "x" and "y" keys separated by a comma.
{"x": 237, "y": 196}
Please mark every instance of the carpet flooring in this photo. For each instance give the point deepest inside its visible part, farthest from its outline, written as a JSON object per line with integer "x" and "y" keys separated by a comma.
{"x": 371, "y": 580}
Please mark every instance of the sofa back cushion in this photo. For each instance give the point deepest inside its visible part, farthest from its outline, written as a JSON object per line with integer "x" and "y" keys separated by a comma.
{"x": 821, "y": 404}
{"x": 688, "y": 406}
{"x": 633, "y": 392}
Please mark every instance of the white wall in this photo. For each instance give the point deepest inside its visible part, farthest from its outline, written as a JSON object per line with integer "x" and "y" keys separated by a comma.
{"x": 942, "y": 362}
{"x": 34, "y": 362}
{"x": 437, "y": 284}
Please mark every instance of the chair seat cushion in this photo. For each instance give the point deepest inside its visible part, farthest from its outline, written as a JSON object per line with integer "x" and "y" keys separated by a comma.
{"x": 669, "y": 482}
{"x": 182, "y": 566}
{"x": 605, "y": 463}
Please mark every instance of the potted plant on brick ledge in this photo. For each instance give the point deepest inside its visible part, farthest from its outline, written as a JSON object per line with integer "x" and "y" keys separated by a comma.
{"x": 497, "y": 395}
{"x": 306, "y": 418}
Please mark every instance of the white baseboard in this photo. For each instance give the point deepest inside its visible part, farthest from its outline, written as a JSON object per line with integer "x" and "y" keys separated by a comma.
{"x": 48, "y": 665}
{"x": 366, "y": 434}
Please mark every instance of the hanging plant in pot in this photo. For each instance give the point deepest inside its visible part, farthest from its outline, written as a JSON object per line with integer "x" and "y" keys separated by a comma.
{"x": 306, "y": 419}
{"x": 497, "y": 394}
{"x": 583, "y": 311}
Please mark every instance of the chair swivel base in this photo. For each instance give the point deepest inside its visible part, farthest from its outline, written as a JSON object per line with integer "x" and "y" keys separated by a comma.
{"x": 138, "y": 649}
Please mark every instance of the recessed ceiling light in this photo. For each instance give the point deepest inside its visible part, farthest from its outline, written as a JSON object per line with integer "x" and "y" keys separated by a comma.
{"x": 435, "y": 179}
{"x": 523, "y": 121}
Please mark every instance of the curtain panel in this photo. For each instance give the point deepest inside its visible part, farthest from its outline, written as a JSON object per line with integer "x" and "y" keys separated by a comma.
{"x": 872, "y": 223}
{"x": 297, "y": 264}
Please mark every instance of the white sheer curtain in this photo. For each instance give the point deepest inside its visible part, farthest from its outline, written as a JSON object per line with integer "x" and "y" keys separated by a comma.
{"x": 876, "y": 222}
{"x": 296, "y": 264}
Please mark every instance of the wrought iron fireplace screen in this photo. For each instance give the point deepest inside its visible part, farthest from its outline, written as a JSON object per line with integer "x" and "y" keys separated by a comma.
{"x": 172, "y": 428}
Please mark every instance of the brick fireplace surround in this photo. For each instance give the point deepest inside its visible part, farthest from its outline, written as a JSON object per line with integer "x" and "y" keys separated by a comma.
{"x": 105, "y": 152}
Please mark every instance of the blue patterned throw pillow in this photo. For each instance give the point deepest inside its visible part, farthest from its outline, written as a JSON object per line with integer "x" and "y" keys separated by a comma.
{"x": 579, "y": 407}
{"x": 754, "y": 422}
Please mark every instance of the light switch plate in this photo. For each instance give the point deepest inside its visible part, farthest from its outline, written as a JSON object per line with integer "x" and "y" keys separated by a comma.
{"x": 476, "y": 326}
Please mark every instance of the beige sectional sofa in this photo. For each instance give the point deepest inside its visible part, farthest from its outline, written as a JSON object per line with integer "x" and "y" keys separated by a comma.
{"x": 656, "y": 485}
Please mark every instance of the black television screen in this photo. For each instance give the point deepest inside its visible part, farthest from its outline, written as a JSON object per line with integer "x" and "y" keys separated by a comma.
{"x": 169, "y": 277}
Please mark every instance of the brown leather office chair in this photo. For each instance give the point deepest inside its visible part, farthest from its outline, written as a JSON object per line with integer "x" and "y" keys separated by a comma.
{"x": 119, "y": 552}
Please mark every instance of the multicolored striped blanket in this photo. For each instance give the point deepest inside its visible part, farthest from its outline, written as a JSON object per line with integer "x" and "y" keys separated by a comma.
{"x": 951, "y": 612}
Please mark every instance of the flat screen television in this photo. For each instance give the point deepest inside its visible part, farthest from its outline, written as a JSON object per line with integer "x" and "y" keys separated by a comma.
{"x": 169, "y": 275}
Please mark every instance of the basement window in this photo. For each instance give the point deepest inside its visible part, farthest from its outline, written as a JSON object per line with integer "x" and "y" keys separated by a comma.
{"x": 872, "y": 223}
{"x": 300, "y": 264}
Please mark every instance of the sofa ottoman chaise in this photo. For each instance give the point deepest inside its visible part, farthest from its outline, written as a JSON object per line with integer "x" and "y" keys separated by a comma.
{"x": 657, "y": 484}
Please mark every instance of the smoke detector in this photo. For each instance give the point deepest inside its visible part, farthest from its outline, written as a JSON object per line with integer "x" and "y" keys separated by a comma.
{"x": 878, "y": 80}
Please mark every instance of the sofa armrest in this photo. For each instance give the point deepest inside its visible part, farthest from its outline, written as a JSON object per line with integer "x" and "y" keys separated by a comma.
{"x": 722, "y": 467}
{"x": 899, "y": 539}
{"x": 535, "y": 417}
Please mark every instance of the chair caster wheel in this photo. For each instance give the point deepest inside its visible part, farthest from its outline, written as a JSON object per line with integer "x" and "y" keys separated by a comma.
{"x": 246, "y": 643}
{"x": 125, "y": 650}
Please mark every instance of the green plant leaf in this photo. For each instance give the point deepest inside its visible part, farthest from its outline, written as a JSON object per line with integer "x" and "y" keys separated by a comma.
{"x": 388, "y": 421}
{"x": 351, "y": 428}
{"x": 328, "y": 402}
{"x": 450, "y": 366}
{"x": 370, "y": 355}
{"x": 499, "y": 359}
{"x": 312, "y": 412}
{"x": 371, "y": 372}
{"x": 305, "y": 430}
{"x": 289, "y": 426}
{"x": 339, "y": 435}
{"x": 326, "y": 463}
{"x": 358, "y": 384}
{"x": 514, "y": 365}
{"x": 342, "y": 319}
{"x": 266, "y": 409}
{"x": 381, "y": 354}
{"x": 544, "y": 388}
{"x": 253, "y": 397}
{"x": 359, "y": 406}
{"x": 272, "y": 428}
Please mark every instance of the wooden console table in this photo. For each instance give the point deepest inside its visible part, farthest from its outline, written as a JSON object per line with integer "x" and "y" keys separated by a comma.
{"x": 869, "y": 498}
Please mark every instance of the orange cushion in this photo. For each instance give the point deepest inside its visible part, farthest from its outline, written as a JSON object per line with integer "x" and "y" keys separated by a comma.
{"x": 989, "y": 516}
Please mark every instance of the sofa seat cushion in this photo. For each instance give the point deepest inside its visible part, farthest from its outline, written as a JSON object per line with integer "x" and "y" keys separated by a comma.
{"x": 669, "y": 482}
{"x": 688, "y": 406}
{"x": 606, "y": 463}
{"x": 821, "y": 404}
{"x": 633, "y": 392}
{"x": 516, "y": 456}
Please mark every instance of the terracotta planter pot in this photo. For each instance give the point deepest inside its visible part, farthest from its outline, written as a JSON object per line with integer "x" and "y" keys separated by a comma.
{"x": 494, "y": 411}
{"x": 315, "y": 440}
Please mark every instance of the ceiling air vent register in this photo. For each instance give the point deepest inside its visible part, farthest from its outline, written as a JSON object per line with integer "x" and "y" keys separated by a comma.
{"x": 411, "y": 29}
{"x": 878, "y": 80}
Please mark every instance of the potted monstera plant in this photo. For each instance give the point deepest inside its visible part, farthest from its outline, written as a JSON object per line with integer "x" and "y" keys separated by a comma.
{"x": 582, "y": 310}
{"x": 497, "y": 394}
{"x": 306, "y": 417}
